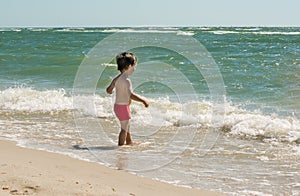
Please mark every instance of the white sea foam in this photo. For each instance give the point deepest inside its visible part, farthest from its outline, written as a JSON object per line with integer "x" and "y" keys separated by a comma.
{"x": 296, "y": 150}
{"x": 162, "y": 112}
{"x": 255, "y": 124}
{"x": 108, "y": 65}
{"x": 222, "y": 32}
{"x": 163, "y": 30}
{"x": 37, "y": 29}
{"x": 150, "y": 30}
{"x": 30, "y": 100}
{"x": 11, "y": 29}
{"x": 253, "y": 193}
{"x": 277, "y": 33}
{"x": 248, "y": 29}
{"x": 78, "y": 30}
{"x": 127, "y": 30}
{"x": 188, "y": 33}
{"x": 202, "y": 28}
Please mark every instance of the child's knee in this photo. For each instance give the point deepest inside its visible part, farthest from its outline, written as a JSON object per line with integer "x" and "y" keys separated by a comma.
{"x": 125, "y": 125}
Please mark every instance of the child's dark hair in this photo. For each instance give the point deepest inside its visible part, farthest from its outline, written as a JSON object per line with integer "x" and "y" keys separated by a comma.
{"x": 125, "y": 59}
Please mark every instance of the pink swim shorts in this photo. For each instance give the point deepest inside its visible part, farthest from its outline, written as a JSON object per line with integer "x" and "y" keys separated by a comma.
{"x": 122, "y": 112}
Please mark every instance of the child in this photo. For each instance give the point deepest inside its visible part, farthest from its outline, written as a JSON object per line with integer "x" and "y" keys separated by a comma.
{"x": 127, "y": 63}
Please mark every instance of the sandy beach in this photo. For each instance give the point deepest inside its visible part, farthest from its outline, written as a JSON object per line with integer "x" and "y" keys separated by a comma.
{"x": 33, "y": 172}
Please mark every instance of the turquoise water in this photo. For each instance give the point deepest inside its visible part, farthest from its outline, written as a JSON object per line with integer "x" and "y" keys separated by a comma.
{"x": 260, "y": 66}
{"x": 257, "y": 141}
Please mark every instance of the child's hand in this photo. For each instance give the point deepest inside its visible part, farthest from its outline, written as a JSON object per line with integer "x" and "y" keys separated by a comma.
{"x": 146, "y": 104}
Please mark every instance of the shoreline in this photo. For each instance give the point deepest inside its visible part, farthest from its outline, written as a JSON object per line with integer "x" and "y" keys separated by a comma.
{"x": 25, "y": 171}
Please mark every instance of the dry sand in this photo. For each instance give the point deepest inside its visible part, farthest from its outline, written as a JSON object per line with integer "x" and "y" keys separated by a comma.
{"x": 33, "y": 172}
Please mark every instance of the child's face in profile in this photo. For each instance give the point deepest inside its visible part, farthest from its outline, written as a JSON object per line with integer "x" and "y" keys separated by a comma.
{"x": 131, "y": 69}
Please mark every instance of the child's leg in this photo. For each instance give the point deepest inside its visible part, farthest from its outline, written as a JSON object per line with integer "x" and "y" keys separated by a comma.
{"x": 124, "y": 131}
{"x": 128, "y": 137}
{"x": 122, "y": 137}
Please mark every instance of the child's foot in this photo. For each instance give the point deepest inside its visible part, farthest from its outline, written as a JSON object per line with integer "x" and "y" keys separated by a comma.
{"x": 128, "y": 139}
{"x": 132, "y": 143}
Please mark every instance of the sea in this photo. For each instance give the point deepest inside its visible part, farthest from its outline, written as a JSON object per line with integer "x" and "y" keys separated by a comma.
{"x": 224, "y": 110}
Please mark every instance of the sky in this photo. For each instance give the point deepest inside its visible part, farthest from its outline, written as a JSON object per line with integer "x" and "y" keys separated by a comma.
{"x": 131, "y": 13}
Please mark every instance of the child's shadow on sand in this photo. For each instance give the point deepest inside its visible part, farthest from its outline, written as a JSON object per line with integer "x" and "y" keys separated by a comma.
{"x": 77, "y": 147}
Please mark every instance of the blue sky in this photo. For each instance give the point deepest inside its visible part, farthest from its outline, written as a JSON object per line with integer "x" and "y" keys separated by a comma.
{"x": 98, "y": 13}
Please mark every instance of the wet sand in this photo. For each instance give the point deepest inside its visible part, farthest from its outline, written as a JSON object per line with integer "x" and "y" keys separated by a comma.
{"x": 33, "y": 172}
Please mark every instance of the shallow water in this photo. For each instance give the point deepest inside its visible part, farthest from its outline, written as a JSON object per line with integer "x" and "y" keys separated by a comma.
{"x": 235, "y": 163}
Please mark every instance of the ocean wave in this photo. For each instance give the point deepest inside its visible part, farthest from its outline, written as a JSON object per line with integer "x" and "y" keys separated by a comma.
{"x": 276, "y": 33}
{"x": 19, "y": 29}
{"x": 223, "y": 32}
{"x": 79, "y": 30}
{"x": 125, "y": 30}
{"x": 108, "y": 65}
{"x": 200, "y": 28}
{"x": 163, "y": 112}
{"x": 38, "y": 29}
{"x": 265, "y": 127}
{"x": 218, "y": 32}
{"x": 30, "y": 100}
{"x": 11, "y": 29}
{"x": 188, "y": 31}
{"x": 150, "y": 30}
{"x": 248, "y": 29}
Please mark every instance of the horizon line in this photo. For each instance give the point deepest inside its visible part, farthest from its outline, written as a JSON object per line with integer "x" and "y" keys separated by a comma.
{"x": 140, "y": 26}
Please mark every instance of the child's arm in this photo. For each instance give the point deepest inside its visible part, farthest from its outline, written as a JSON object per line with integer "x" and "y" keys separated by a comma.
{"x": 111, "y": 87}
{"x": 138, "y": 98}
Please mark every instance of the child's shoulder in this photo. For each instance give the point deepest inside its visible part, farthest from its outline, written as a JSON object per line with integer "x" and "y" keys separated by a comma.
{"x": 128, "y": 79}
{"x": 117, "y": 76}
